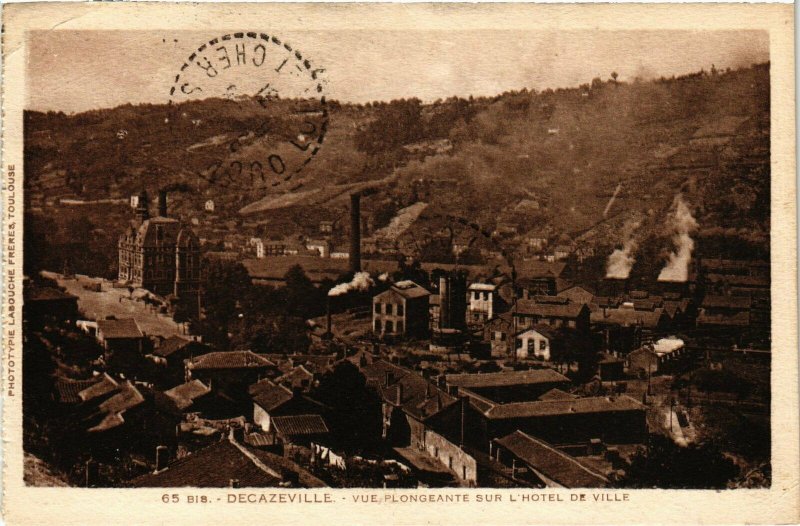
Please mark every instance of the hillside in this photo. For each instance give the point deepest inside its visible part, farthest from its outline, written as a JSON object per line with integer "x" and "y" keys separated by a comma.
{"x": 547, "y": 161}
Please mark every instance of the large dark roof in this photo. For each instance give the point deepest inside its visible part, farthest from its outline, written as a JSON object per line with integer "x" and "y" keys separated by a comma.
{"x": 534, "y": 308}
{"x": 229, "y": 360}
{"x": 628, "y": 317}
{"x": 539, "y": 408}
{"x": 110, "y": 412}
{"x": 216, "y": 465}
{"x": 552, "y": 463}
{"x": 121, "y": 328}
{"x": 34, "y": 293}
{"x": 268, "y": 395}
{"x": 506, "y": 378}
{"x": 418, "y": 397}
{"x": 408, "y": 289}
{"x": 535, "y": 269}
{"x": 170, "y": 346}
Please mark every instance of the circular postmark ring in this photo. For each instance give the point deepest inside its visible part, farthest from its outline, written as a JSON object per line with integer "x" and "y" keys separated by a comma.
{"x": 280, "y": 95}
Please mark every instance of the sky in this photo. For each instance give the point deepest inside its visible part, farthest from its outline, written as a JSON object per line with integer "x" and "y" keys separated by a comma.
{"x": 75, "y": 71}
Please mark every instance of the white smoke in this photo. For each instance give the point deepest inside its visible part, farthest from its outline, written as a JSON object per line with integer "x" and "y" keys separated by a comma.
{"x": 384, "y": 277}
{"x": 621, "y": 261}
{"x": 361, "y": 281}
{"x": 677, "y": 267}
{"x": 611, "y": 201}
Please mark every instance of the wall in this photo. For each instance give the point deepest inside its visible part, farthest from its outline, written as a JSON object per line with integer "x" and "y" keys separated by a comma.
{"x": 450, "y": 455}
{"x": 261, "y": 417}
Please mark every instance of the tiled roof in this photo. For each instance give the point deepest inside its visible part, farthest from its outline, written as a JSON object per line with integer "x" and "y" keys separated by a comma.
{"x": 596, "y": 404}
{"x": 298, "y": 373}
{"x": 556, "y": 465}
{"x": 418, "y": 397}
{"x": 185, "y": 394}
{"x": 268, "y": 395}
{"x": 506, "y": 378}
{"x": 628, "y": 317}
{"x": 121, "y": 328}
{"x": 557, "y": 394}
{"x": 409, "y": 289}
{"x": 299, "y": 425}
{"x": 112, "y": 410}
{"x": 103, "y": 387}
{"x": 229, "y": 360}
{"x": 533, "y": 308}
{"x": 68, "y": 391}
{"x": 739, "y": 319}
{"x": 216, "y": 465}
{"x": 727, "y": 302}
{"x": 170, "y": 346}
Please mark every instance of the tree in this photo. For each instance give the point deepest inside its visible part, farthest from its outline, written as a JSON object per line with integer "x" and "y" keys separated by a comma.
{"x": 614, "y": 76}
{"x": 303, "y": 299}
{"x": 356, "y": 409}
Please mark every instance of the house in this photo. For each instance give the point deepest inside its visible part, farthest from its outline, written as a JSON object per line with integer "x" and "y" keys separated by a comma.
{"x": 66, "y": 390}
{"x": 498, "y": 332}
{"x": 537, "y": 463}
{"x": 663, "y": 356}
{"x": 402, "y": 310}
{"x": 174, "y": 351}
{"x": 610, "y": 368}
{"x": 536, "y": 277}
{"x": 554, "y": 312}
{"x": 423, "y": 421}
{"x": 298, "y": 378}
{"x": 321, "y": 246}
{"x": 299, "y": 429}
{"x": 577, "y": 294}
{"x": 483, "y": 301}
{"x": 507, "y": 386}
{"x": 229, "y": 373}
{"x": 111, "y": 412}
{"x": 121, "y": 337}
{"x": 622, "y": 325}
{"x": 209, "y": 205}
{"x": 615, "y": 420}
{"x": 326, "y": 228}
{"x": 725, "y": 312}
{"x": 534, "y": 343}
{"x": 229, "y": 464}
{"x": 562, "y": 252}
{"x": 48, "y": 302}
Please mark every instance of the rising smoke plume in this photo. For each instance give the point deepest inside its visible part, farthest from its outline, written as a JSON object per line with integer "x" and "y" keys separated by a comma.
{"x": 361, "y": 281}
{"x": 621, "y": 261}
{"x": 677, "y": 268}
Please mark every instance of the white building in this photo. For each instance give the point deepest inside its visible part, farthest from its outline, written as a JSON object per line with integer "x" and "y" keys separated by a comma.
{"x": 533, "y": 343}
{"x": 209, "y": 206}
{"x": 482, "y": 302}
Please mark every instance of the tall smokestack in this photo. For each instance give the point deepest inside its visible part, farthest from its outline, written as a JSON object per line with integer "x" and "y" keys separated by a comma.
{"x": 355, "y": 233}
{"x": 162, "y": 203}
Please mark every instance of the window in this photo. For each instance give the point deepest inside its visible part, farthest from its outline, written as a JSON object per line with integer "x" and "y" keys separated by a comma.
{"x": 542, "y": 345}
{"x": 399, "y": 309}
{"x": 571, "y": 324}
{"x": 377, "y": 325}
{"x": 389, "y": 326}
{"x": 377, "y": 308}
{"x": 399, "y": 326}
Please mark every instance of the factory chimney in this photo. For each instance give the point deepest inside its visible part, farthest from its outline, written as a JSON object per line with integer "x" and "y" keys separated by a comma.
{"x": 162, "y": 203}
{"x": 355, "y": 233}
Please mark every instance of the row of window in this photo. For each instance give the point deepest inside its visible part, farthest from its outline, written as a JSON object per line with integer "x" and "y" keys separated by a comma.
{"x": 386, "y": 308}
{"x": 481, "y": 295}
{"x": 389, "y": 327}
{"x": 553, "y": 322}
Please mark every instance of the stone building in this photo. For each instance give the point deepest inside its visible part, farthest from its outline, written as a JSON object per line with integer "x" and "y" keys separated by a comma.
{"x": 160, "y": 254}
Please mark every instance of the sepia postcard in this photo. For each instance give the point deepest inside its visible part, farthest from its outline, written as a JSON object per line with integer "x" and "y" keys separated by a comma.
{"x": 320, "y": 263}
